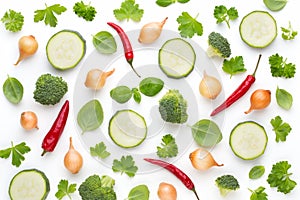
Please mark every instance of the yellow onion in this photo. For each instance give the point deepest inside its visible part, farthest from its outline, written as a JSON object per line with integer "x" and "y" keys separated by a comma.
{"x": 259, "y": 99}
{"x": 96, "y": 78}
{"x": 73, "y": 160}
{"x": 201, "y": 159}
{"x": 166, "y": 191}
{"x": 151, "y": 31}
{"x": 27, "y": 47}
{"x": 29, "y": 120}
{"x": 209, "y": 87}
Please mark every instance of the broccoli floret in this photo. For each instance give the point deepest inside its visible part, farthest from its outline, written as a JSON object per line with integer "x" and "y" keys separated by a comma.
{"x": 93, "y": 188}
{"x": 218, "y": 46}
{"x": 173, "y": 107}
{"x": 49, "y": 89}
{"x": 226, "y": 184}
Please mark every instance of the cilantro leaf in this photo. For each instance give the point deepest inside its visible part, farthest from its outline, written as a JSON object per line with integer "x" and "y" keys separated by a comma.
{"x": 258, "y": 194}
{"x": 13, "y": 20}
{"x": 288, "y": 33}
{"x": 188, "y": 26}
{"x": 280, "y": 67}
{"x": 282, "y": 129}
{"x": 129, "y": 10}
{"x": 64, "y": 189}
{"x": 86, "y": 11}
{"x": 280, "y": 177}
{"x": 47, "y": 15}
{"x": 125, "y": 165}
{"x": 99, "y": 150}
{"x": 169, "y": 147}
{"x": 16, "y": 152}
{"x": 165, "y": 3}
{"x": 234, "y": 65}
{"x": 221, "y": 13}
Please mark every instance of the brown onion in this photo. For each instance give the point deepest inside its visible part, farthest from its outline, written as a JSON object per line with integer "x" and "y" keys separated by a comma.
{"x": 29, "y": 120}
{"x": 96, "y": 78}
{"x": 27, "y": 47}
{"x": 209, "y": 87}
{"x": 166, "y": 191}
{"x": 73, "y": 160}
{"x": 259, "y": 99}
{"x": 201, "y": 159}
{"x": 151, "y": 31}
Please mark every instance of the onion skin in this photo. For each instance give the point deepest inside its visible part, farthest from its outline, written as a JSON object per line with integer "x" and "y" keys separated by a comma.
{"x": 202, "y": 160}
{"x": 259, "y": 100}
{"x": 96, "y": 78}
{"x": 73, "y": 160}
{"x": 29, "y": 120}
{"x": 166, "y": 191}
{"x": 27, "y": 47}
{"x": 209, "y": 87}
{"x": 150, "y": 32}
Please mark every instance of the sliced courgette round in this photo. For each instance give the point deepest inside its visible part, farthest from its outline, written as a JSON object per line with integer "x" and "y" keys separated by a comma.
{"x": 176, "y": 58}
{"x": 65, "y": 49}
{"x": 127, "y": 128}
{"x": 258, "y": 29}
{"x": 248, "y": 140}
{"x": 29, "y": 184}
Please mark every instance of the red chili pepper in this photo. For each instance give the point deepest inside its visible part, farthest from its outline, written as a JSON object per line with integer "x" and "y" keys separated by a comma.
{"x": 177, "y": 172}
{"x": 56, "y": 130}
{"x": 126, "y": 45}
{"x": 238, "y": 93}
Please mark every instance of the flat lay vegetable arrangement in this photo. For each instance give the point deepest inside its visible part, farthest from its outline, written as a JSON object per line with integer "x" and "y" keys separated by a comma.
{"x": 239, "y": 110}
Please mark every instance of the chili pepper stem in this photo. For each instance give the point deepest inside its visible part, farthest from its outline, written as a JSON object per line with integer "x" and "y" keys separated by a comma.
{"x": 256, "y": 65}
{"x": 196, "y": 194}
{"x": 130, "y": 63}
{"x": 44, "y": 152}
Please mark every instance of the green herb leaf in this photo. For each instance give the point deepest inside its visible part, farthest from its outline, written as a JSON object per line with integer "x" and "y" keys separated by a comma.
{"x": 90, "y": 116}
{"x": 136, "y": 95}
{"x": 280, "y": 177}
{"x": 129, "y": 10}
{"x": 99, "y": 150}
{"x": 140, "y": 192}
{"x": 17, "y": 153}
{"x": 151, "y": 86}
{"x": 284, "y": 99}
{"x": 234, "y": 65}
{"x": 189, "y": 26}
{"x": 13, "y": 20}
{"x": 282, "y": 129}
{"x": 221, "y": 13}
{"x": 104, "y": 42}
{"x": 206, "y": 133}
{"x": 13, "y": 90}
{"x": 121, "y": 94}
{"x": 280, "y": 67}
{"x": 288, "y": 33}
{"x": 125, "y": 165}
{"x": 64, "y": 189}
{"x": 275, "y": 5}
{"x": 258, "y": 194}
{"x": 169, "y": 147}
{"x": 256, "y": 172}
{"x": 86, "y": 11}
{"x": 165, "y": 3}
{"x": 47, "y": 15}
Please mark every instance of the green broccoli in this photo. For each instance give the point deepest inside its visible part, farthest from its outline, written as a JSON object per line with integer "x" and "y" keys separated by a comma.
{"x": 173, "y": 107}
{"x": 95, "y": 188}
{"x": 226, "y": 184}
{"x": 49, "y": 89}
{"x": 218, "y": 46}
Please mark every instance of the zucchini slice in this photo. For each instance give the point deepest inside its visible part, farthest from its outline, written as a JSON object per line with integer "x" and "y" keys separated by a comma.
{"x": 65, "y": 49}
{"x": 176, "y": 58}
{"x": 29, "y": 184}
{"x": 248, "y": 140}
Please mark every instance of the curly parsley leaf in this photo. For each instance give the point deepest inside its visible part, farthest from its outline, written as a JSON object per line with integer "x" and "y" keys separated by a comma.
{"x": 280, "y": 177}
{"x": 129, "y": 10}
{"x": 258, "y": 194}
{"x": 125, "y": 165}
{"x": 221, "y": 13}
{"x": 99, "y": 150}
{"x": 64, "y": 189}
{"x": 169, "y": 147}
{"x": 16, "y": 152}
{"x": 86, "y": 11}
{"x": 280, "y": 67}
{"x": 47, "y": 15}
{"x": 234, "y": 65}
{"x": 288, "y": 33}
{"x": 13, "y": 20}
{"x": 165, "y": 3}
{"x": 282, "y": 129}
{"x": 188, "y": 26}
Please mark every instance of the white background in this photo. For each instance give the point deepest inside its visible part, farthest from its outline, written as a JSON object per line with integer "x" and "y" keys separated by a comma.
{"x": 52, "y": 164}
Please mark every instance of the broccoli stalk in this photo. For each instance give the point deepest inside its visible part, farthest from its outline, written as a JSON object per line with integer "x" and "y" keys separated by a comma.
{"x": 218, "y": 46}
{"x": 226, "y": 184}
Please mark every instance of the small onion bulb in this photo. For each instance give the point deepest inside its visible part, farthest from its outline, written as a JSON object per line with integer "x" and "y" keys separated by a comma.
{"x": 209, "y": 87}
{"x": 29, "y": 120}
{"x": 96, "y": 78}
{"x": 166, "y": 191}
{"x": 151, "y": 31}
{"x": 202, "y": 160}
{"x": 73, "y": 160}
{"x": 27, "y": 47}
{"x": 259, "y": 100}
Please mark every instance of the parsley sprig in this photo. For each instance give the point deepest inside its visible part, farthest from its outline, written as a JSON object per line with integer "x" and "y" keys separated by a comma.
{"x": 99, "y": 150}
{"x": 125, "y": 165}
{"x": 221, "y": 13}
{"x": 281, "y": 129}
{"x": 48, "y": 14}
{"x": 16, "y": 153}
{"x": 189, "y": 26}
{"x": 234, "y": 65}
{"x": 86, "y": 11}
{"x": 288, "y": 33}
{"x": 65, "y": 189}
{"x": 13, "y": 20}
{"x": 258, "y": 194}
{"x": 280, "y": 67}
{"x": 168, "y": 147}
{"x": 129, "y": 10}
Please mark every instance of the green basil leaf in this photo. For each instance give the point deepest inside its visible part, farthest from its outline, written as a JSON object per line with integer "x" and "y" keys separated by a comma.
{"x": 256, "y": 172}
{"x": 121, "y": 94}
{"x": 206, "y": 133}
{"x": 183, "y": 1}
{"x": 140, "y": 192}
{"x": 284, "y": 98}
{"x": 104, "y": 42}
{"x": 136, "y": 95}
{"x": 275, "y": 5}
{"x": 13, "y": 90}
{"x": 90, "y": 116}
{"x": 164, "y": 3}
{"x": 151, "y": 86}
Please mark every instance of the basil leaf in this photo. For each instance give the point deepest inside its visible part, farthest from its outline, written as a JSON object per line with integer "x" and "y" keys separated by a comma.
{"x": 90, "y": 116}
{"x": 151, "y": 86}
{"x": 284, "y": 98}
{"x": 164, "y": 3}
{"x": 13, "y": 90}
{"x": 140, "y": 192}
{"x": 275, "y": 5}
{"x": 104, "y": 42}
{"x": 121, "y": 94}
{"x": 206, "y": 133}
{"x": 136, "y": 95}
{"x": 256, "y": 172}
